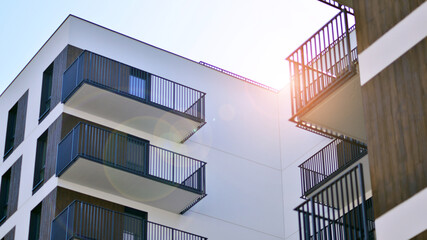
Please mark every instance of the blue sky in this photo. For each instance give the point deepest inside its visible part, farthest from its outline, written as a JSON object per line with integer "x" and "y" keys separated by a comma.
{"x": 248, "y": 37}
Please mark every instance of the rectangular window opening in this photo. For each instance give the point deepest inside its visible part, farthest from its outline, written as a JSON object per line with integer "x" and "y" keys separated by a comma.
{"x": 39, "y": 168}
{"x": 10, "y": 132}
{"x": 35, "y": 223}
{"x": 46, "y": 92}
{"x": 4, "y": 195}
{"x": 138, "y": 83}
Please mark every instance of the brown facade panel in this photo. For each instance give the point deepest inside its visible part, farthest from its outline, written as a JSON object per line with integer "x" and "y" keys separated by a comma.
{"x": 20, "y": 119}
{"x": 10, "y": 235}
{"x": 14, "y": 187}
{"x": 54, "y": 137}
{"x": 47, "y": 214}
{"x": 60, "y": 64}
{"x": 421, "y": 236}
{"x": 395, "y": 108}
{"x": 65, "y": 197}
{"x": 376, "y": 17}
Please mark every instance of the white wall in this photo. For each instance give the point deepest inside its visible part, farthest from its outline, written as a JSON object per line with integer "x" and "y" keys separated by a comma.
{"x": 297, "y": 146}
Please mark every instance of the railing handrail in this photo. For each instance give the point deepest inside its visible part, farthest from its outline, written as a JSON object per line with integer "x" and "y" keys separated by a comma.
{"x": 328, "y": 162}
{"x": 342, "y": 202}
{"x": 194, "y": 165}
{"x": 75, "y": 202}
{"x": 245, "y": 79}
{"x": 330, "y": 144}
{"x": 148, "y": 88}
{"x": 110, "y": 59}
{"x": 312, "y": 36}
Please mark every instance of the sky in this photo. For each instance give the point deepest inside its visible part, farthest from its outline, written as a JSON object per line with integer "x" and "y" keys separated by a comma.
{"x": 251, "y": 38}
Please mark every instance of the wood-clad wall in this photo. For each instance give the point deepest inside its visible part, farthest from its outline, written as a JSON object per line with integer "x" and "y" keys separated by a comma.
{"x": 395, "y": 108}
{"x": 10, "y": 235}
{"x": 60, "y": 64}
{"x": 21, "y": 120}
{"x": 15, "y": 178}
{"x": 376, "y": 17}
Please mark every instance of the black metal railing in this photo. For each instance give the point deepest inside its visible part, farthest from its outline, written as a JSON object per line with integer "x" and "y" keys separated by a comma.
{"x": 339, "y": 211}
{"x": 337, "y": 5}
{"x": 131, "y": 154}
{"x": 142, "y": 86}
{"x": 86, "y": 221}
{"x": 238, "y": 77}
{"x": 329, "y": 161}
{"x": 323, "y": 60}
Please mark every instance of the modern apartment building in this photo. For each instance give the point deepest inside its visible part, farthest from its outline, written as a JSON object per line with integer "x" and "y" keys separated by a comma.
{"x": 108, "y": 137}
{"x": 364, "y": 92}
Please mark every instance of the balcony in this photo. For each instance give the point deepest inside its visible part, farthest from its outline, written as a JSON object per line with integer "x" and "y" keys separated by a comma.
{"x": 128, "y": 166}
{"x": 341, "y": 210}
{"x": 325, "y": 84}
{"x": 328, "y": 162}
{"x": 85, "y": 221}
{"x": 102, "y": 86}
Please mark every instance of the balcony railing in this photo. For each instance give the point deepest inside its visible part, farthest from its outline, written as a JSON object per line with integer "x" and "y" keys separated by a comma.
{"x": 339, "y": 211}
{"x": 337, "y": 5}
{"x": 328, "y": 162}
{"x": 134, "y": 83}
{"x": 86, "y": 221}
{"x": 131, "y": 154}
{"x": 322, "y": 61}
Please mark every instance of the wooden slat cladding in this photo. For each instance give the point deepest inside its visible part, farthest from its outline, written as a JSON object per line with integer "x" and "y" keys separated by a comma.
{"x": 14, "y": 187}
{"x": 54, "y": 137}
{"x": 395, "y": 108}
{"x": 376, "y": 17}
{"x": 65, "y": 197}
{"x": 47, "y": 214}
{"x": 421, "y": 236}
{"x": 10, "y": 235}
{"x": 60, "y": 64}
{"x": 20, "y": 120}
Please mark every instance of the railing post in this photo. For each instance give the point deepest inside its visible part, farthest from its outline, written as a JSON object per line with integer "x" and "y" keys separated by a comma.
{"x": 112, "y": 225}
{"x": 362, "y": 192}
{"x": 313, "y": 218}
{"x": 173, "y": 167}
{"x": 173, "y": 96}
{"x": 115, "y": 150}
{"x": 347, "y": 33}
{"x": 304, "y": 83}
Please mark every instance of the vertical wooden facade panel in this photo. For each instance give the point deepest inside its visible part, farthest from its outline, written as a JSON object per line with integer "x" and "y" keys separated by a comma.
{"x": 14, "y": 187}
{"x": 10, "y": 235}
{"x": 376, "y": 17}
{"x": 65, "y": 197}
{"x": 47, "y": 214}
{"x": 54, "y": 137}
{"x": 20, "y": 120}
{"x": 395, "y": 106}
{"x": 60, "y": 64}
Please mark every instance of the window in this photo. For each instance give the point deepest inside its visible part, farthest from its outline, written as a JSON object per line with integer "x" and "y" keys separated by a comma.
{"x": 138, "y": 83}
{"x": 35, "y": 223}
{"x": 46, "y": 92}
{"x": 4, "y": 195}
{"x": 40, "y": 161}
{"x": 10, "y": 132}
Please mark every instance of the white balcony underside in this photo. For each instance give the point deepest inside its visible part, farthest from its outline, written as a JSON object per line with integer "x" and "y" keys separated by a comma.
{"x": 121, "y": 183}
{"x": 132, "y": 113}
{"x": 341, "y": 111}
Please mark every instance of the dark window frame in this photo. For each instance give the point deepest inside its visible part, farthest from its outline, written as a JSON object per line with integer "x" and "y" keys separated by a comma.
{"x": 11, "y": 131}
{"x": 40, "y": 163}
{"x": 4, "y": 195}
{"x": 46, "y": 94}
{"x": 35, "y": 222}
